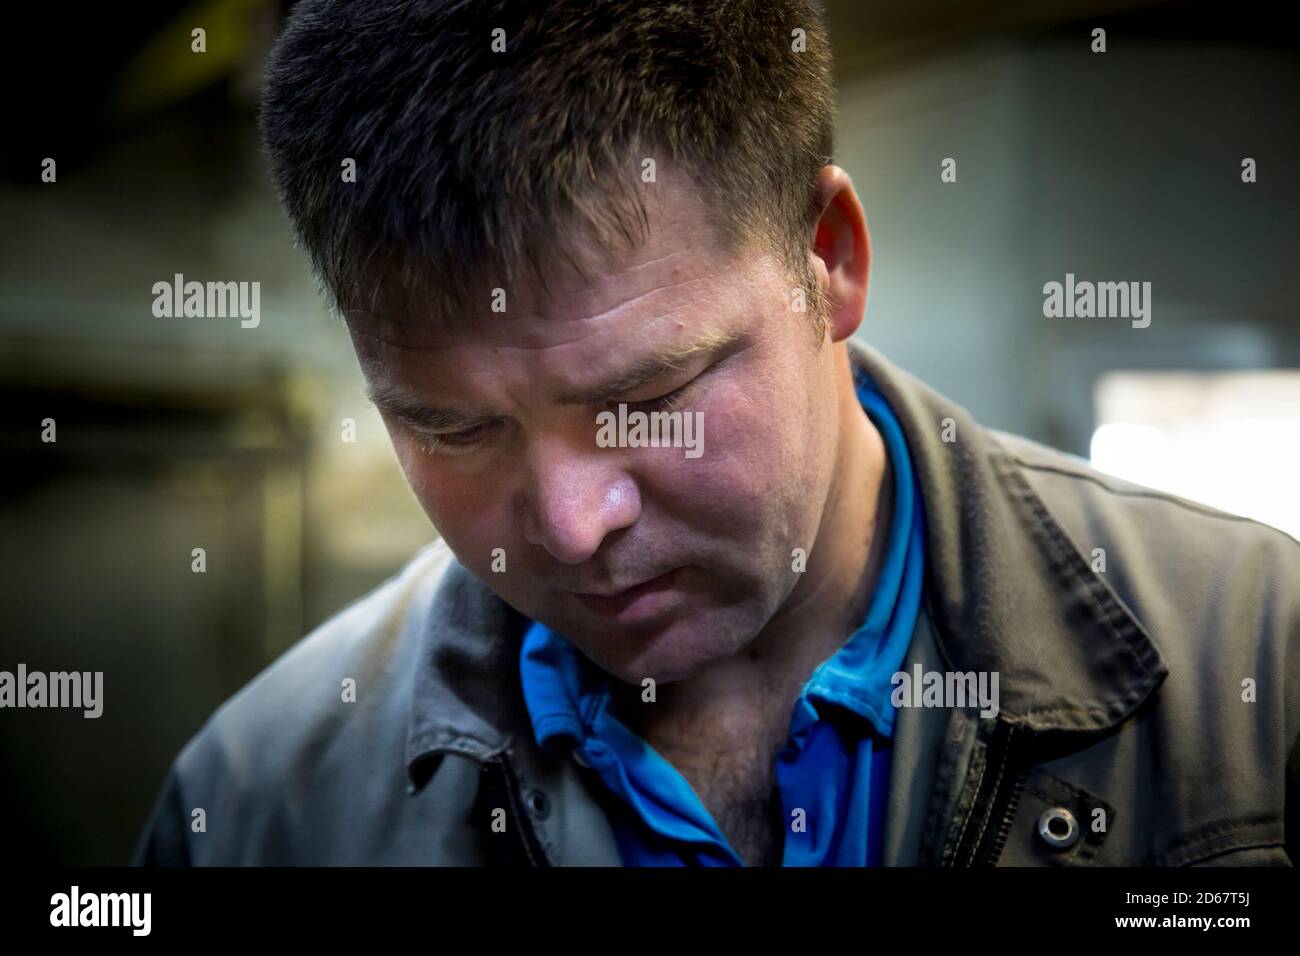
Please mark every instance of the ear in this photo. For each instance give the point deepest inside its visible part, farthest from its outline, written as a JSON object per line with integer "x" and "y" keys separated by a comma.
{"x": 841, "y": 251}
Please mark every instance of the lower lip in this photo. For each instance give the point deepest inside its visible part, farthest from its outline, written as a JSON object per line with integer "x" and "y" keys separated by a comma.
{"x": 641, "y": 603}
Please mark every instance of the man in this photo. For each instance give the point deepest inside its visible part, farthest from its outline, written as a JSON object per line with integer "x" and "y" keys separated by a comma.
{"x": 715, "y": 586}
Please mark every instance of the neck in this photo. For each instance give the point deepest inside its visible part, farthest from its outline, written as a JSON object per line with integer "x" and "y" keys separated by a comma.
{"x": 754, "y": 691}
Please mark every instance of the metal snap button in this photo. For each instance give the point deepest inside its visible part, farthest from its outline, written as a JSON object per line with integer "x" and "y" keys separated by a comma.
{"x": 1058, "y": 828}
{"x": 539, "y": 804}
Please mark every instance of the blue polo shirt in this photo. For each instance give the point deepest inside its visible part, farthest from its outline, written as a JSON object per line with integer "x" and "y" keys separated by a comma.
{"x": 832, "y": 774}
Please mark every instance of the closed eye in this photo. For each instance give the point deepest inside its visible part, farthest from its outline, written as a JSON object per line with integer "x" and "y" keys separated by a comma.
{"x": 457, "y": 442}
{"x": 668, "y": 402}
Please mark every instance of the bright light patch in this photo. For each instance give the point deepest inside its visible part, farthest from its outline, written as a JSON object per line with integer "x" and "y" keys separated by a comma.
{"x": 1227, "y": 440}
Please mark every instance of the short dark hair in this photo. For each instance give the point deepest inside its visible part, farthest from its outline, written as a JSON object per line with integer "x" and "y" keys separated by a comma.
{"x": 473, "y": 163}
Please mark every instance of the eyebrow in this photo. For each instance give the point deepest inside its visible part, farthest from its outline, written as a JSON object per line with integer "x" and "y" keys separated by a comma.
{"x": 653, "y": 367}
{"x": 395, "y": 403}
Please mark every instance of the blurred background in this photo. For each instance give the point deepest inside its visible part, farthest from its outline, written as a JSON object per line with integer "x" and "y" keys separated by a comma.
{"x": 174, "y": 434}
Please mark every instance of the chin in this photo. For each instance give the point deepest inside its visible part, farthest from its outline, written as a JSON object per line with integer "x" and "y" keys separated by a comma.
{"x": 679, "y": 651}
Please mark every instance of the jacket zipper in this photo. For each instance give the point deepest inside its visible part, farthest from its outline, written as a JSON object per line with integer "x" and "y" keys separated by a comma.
{"x": 531, "y": 846}
{"x": 999, "y": 791}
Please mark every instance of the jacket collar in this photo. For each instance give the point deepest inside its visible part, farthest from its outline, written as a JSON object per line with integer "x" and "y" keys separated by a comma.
{"x": 1008, "y": 593}
{"x": 466, "y": 697}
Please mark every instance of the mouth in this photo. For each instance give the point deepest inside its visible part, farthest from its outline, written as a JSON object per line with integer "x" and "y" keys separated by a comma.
{"x": 639, "y": 602}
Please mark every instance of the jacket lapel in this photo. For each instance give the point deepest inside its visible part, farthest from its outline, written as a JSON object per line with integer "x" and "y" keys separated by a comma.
{"x": 1009, "y": 592}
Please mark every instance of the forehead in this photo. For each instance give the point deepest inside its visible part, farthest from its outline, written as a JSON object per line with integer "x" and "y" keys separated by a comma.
{"x": 659, "y": 320}
{"x": 681, "y": 282}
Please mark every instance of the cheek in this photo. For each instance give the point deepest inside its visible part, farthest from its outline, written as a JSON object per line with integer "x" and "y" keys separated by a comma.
{"x": 468, "y": 511}
{"x": 747, "y": 480}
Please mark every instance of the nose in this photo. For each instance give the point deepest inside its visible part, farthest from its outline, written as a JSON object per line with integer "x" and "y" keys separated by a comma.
{"x": 577, "y": 495}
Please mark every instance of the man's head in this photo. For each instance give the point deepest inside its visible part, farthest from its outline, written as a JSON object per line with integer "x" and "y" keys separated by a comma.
{"x": 561, "y": 208}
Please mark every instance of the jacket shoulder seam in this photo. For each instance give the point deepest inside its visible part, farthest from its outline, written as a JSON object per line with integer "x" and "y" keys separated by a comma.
{"x": 1150, "y": 493}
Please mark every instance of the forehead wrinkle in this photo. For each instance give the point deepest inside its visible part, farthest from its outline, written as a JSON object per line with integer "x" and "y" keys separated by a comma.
{"x": 657, "y": 260}
{"x": 403, "y": 406}
{"x": 540, "y": 335}
{"x": 355, "y": 329}
{"x": 383, "y": 361}
{"x": 526, "y": 343}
